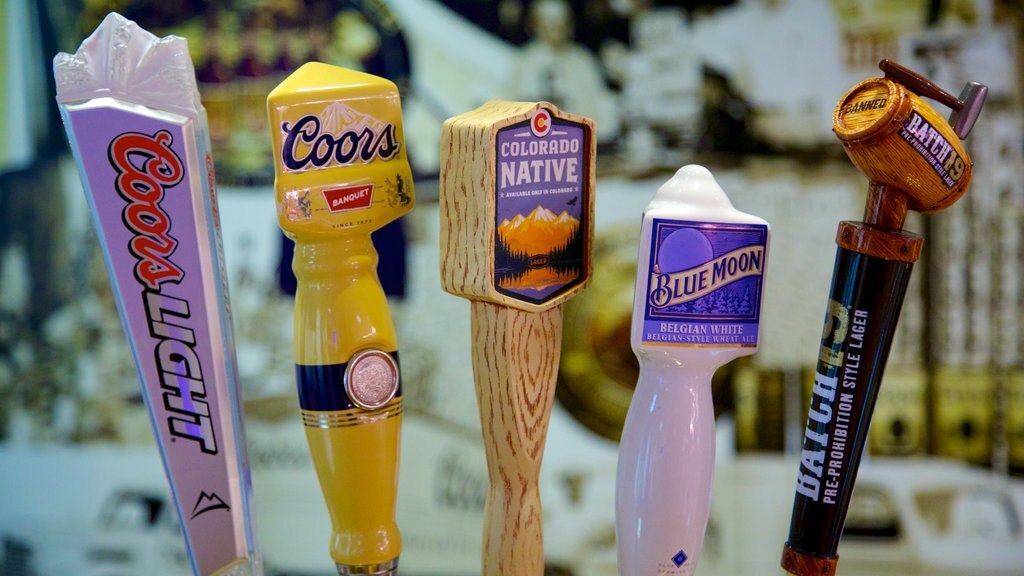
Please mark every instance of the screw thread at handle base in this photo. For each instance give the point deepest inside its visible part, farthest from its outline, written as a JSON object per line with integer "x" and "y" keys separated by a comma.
{"x": 800, "y": 564}
{"x": 389, "y": 568}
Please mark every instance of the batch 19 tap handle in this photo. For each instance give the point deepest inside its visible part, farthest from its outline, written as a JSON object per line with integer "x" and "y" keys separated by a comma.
{"x": 915, "y": 161}
{"x": 517, "y": 194}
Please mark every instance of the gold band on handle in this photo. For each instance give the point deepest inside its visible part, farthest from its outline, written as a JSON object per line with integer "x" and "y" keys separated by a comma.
{"x": 388, "y": 568}
{"x": 354, "y": 417}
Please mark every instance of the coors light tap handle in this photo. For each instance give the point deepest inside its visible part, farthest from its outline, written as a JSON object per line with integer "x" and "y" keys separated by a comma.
{"x": 141, "y": 140}
{"x": 915, "y": 161}
{"x": 517, "y": 193}
{"x": 341, "y": 174}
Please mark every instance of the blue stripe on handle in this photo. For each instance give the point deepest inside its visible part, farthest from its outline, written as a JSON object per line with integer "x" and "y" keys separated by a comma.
{"x": 322, "y": 388}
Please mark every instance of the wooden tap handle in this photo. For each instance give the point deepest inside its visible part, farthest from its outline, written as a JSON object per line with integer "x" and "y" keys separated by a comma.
{"x": 515, "y": 362}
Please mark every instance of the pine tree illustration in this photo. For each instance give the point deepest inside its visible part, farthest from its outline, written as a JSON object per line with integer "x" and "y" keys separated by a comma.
{"x": 732, "y": 301}
{"x": 745, "y": 303}
{"x": 701, "y": 306}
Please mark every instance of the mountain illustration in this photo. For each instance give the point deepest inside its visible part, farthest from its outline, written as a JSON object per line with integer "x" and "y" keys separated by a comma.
{"x": 339, "y": 117}
{"x": 506, "y": 225}
{"x": 541, "y": 232}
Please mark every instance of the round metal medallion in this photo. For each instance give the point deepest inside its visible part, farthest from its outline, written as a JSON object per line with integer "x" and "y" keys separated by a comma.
{"x": 371, "y": 379}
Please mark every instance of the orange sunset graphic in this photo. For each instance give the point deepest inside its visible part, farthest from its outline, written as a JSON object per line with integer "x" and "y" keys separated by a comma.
{"x": 538, "y": 233}
{"x": 537, "y": 247}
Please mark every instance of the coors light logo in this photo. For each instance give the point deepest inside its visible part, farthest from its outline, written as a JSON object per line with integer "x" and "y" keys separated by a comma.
{"x": 146, "y": 168}
{"x": 338, "y": 136}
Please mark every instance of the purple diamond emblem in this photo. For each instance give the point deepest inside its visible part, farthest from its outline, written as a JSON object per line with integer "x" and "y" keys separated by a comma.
{"x": 679, "y": 559}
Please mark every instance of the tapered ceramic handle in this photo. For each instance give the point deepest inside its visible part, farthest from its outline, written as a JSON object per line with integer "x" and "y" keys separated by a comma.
{"x": 341, "y": 173}
{"x": 666, "y": 464}
{"x": 515, "y": 361}
{"x": 350, "y": 397}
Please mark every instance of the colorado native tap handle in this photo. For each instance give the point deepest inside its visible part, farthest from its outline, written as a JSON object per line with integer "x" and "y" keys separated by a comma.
{"x": 517, "y": 192}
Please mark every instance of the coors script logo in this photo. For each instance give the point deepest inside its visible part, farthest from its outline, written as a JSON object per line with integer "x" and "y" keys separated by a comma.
{"x": 341, "y": 136}
{"x": 146, "y": 166}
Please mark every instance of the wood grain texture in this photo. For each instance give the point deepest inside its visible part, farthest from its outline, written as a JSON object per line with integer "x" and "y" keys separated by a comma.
{"x": 467, "y": 198}
{"x": 804, "y": 565}
{"x": 516, "y": 344}
{"x": 515, "y": 363}
{"x": 874, "y": 122}
{"x": 874, "y": 143}
{"x": 885, "y": 208}
{"x": 881, "y": 233}
{"x": 865, "y": 239}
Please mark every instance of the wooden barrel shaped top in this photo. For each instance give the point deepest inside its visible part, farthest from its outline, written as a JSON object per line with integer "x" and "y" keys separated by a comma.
{"x": 897, "y": 140}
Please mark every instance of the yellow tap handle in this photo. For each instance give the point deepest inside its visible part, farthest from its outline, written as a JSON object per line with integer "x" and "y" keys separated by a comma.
{"x": 355, "y": 450}
{"x": 342, "y": 173}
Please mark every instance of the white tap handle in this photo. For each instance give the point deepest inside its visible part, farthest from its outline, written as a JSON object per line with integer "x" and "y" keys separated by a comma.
{"x": 699, "y": 286}
{"x": 666, "y": 463}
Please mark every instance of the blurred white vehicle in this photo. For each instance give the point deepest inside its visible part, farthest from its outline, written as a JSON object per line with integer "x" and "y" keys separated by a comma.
{"x": 137, "y": 533}
{"x": 923, "y": 517}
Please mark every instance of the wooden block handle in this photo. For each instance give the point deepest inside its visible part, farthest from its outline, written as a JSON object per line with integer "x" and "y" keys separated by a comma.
{"x": 515, "y": 362}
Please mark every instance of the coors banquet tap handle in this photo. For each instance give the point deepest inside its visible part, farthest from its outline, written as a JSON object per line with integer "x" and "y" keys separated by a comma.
{"x": 341, "y": 174}
{"x": 517, "y": 193}
{"x": 697, "y": 305}
{"x": 915, "y": 161}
